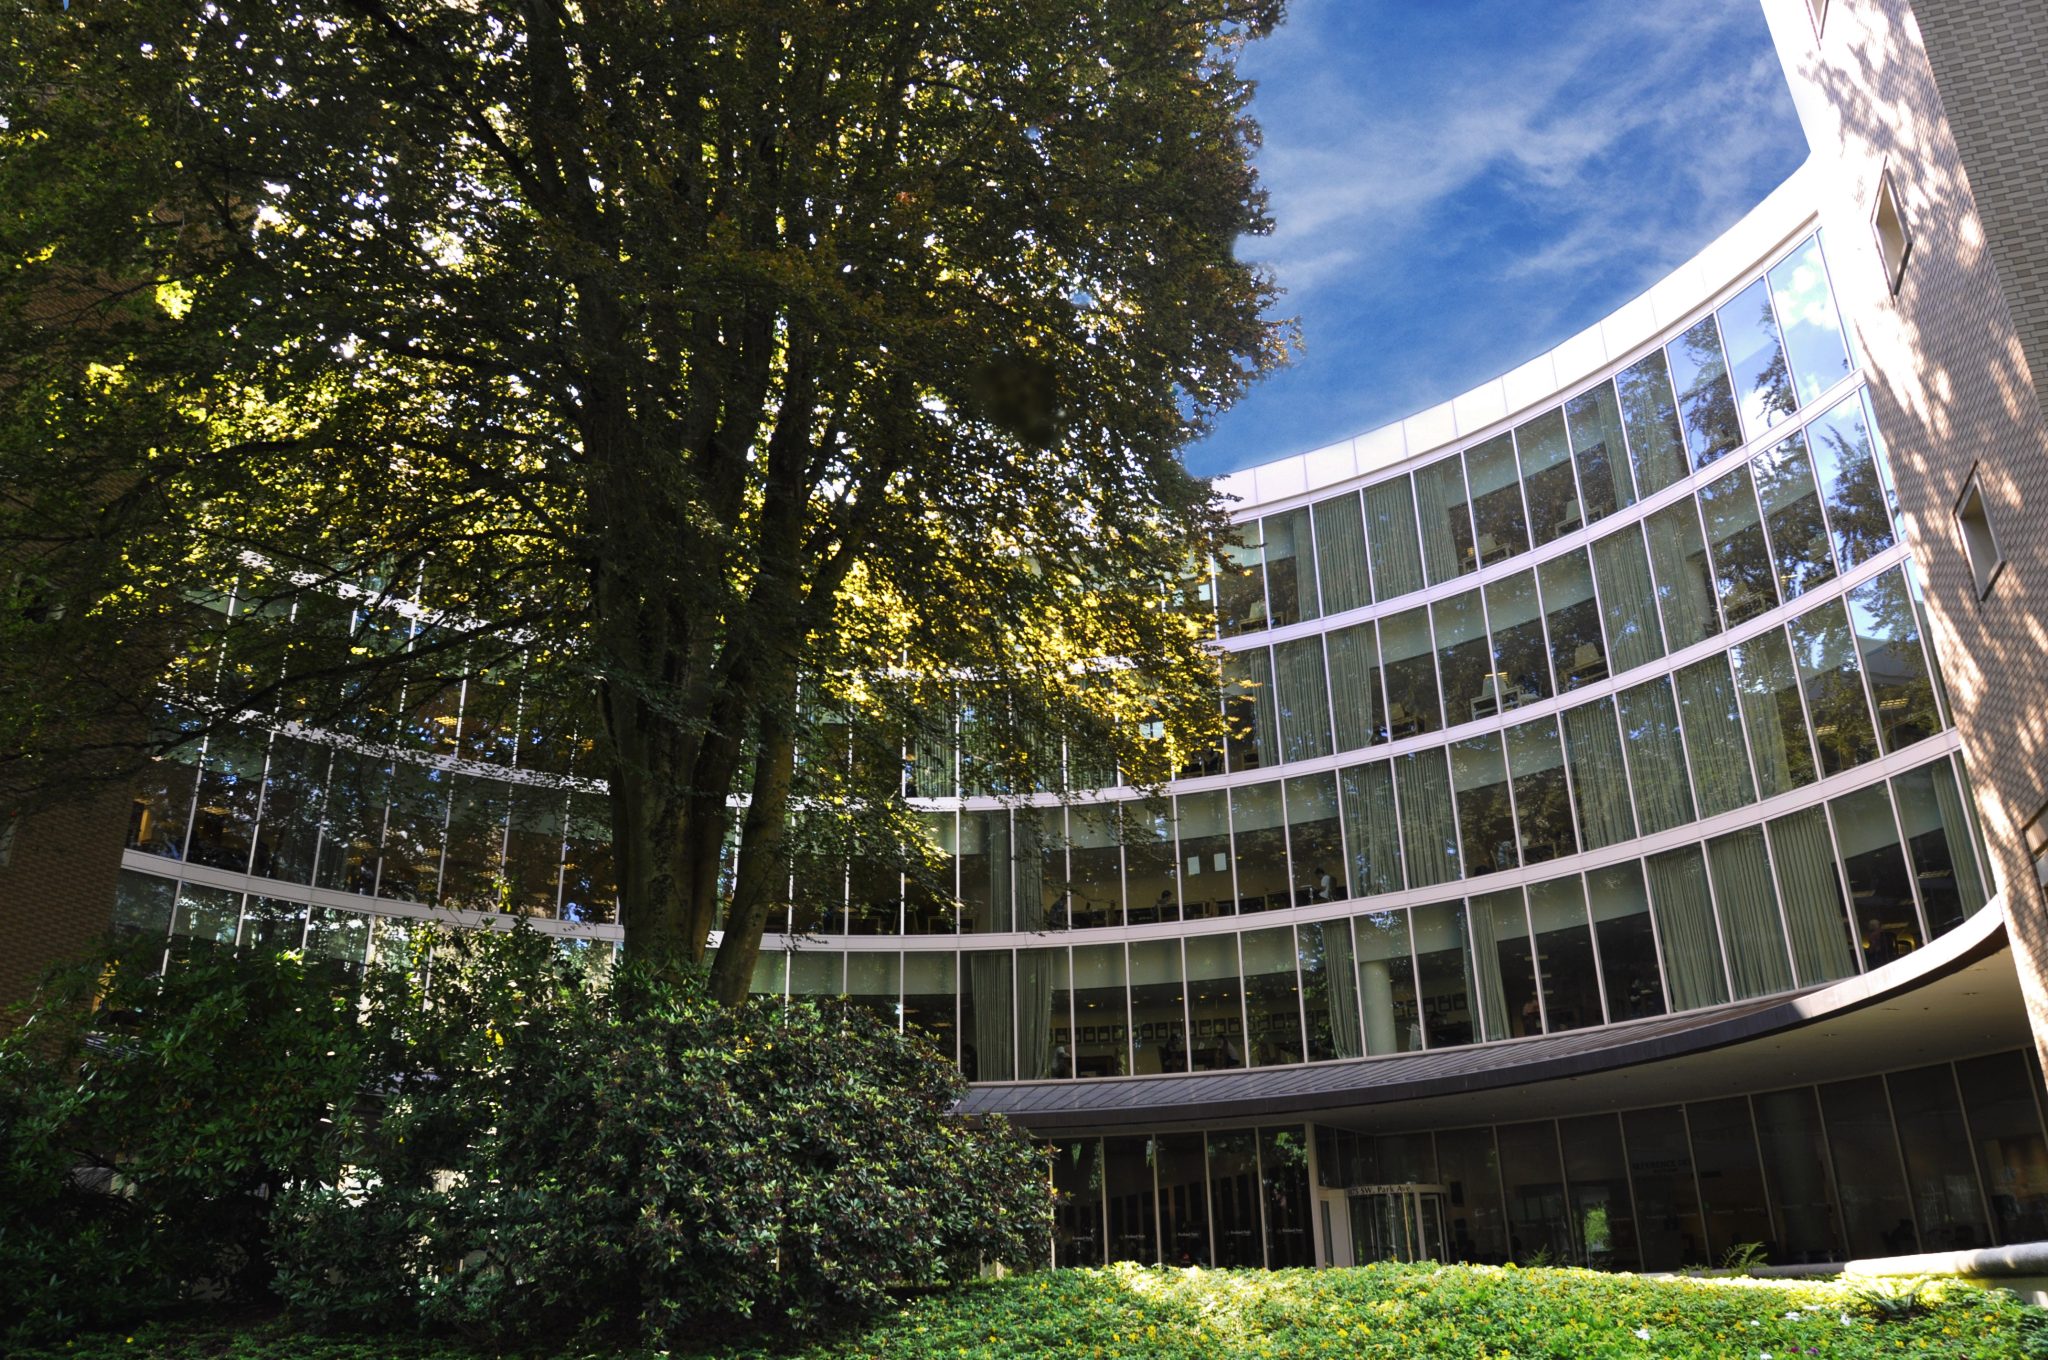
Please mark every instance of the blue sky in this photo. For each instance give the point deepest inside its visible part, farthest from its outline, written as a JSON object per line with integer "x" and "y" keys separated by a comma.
{"x": 1459, "y": 185}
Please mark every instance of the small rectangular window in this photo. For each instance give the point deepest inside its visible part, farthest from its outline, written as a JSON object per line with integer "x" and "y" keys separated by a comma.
{"x": 1980, "y": 543}
{"x": 1894, "y": 242}
{"x": 1819, "y": 10}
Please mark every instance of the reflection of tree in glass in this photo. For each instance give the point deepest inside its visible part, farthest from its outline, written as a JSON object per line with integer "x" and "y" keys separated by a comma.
{"x": 1650, "y": 414}
{"x": 1774, "y": 384}
{"x": 1708, "y": 401}
{"x": 1834, "y": 692}
{"x": 1859, "y": 511}
{"x": 1889, "y": 636}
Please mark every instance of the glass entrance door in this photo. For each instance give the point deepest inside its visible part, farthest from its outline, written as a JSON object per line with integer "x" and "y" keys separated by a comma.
{"x": 1397, "y": 1222}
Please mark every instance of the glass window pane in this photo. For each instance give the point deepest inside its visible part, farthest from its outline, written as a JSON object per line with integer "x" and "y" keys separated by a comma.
{"x": 1577, "y": 650}
{"x": 590, "y": 890}
{"x": 1261, "y": 836}
{"x": 1158, "y": 1022}
{"x": 1340, "y": 554}
{"x": 1685, "y": 928}
{"x": 1215, "y": 1002}
{"x": 1386, "y": 984}
{"x": 1543, "y": 805}
{"x": 1667, "y": 1192}
{"x": 142, "y": 905}
{"x": 474, "y": 874}
{"x": 1813, "y": 332}
{"x": 1241, "y": 583}
{"x": 1795, "y": 1160}
{"x": 1859, "y": 510}
{"x": 1706, "y": 403}
{"x": 985, "y": 872}
{"x": 1743, "y": 572}
{"x": 413, "y": 833}
{"x": 1876, "y": 1215}
{"x": 1791, "y": 505}
{"x": 1446, "y": 520}
{"x": 1600, "y": 451}
{"x": 1713, "y": 734}
{"x": 1603, "y": 1212}
{"x": 1496, "y": 500}
{"x": 1444, "y": 972}
{"x": 873, "y": 980}
{"x": 1479, "y": 777}
{"x": 1372, "y": 827}
{"x": 1564, "y": 953}
{"x": 230, "y": 787}
{"x": 1773, "y": 714}
{"x": 1938, "y": 840}
{"x": 1360, "y": 707}
{"x": 207, "y": 915}
{"x": 533, "y": 851}
{"x": 1234, "y": 1198}
{"x": 1822, "y": 943}
{"x": 1429, "y": 831}
{"x": 929, "y": 993}
{"x": 1599, "y": 775}
{"x": 1731, "y": 1178}
{"x": 1521, "y": 662}
{"x": 1329, "y": 990}
{"x": 1649, "y": 725}
{"x": 1304, "y": 700}
{"x": 1751, "y": 931}
{"x": 1471, "y": 1171}
{"x": 1314, "y": 841}
{"x": 1283, "y": 1169}
{"x": 1251, "y": 710}
{"x": 1935, "y": 1141}
{"x": 1628, "y": 600}
{"x": 1077, "y": 1189}
{"x": 987, "y": 987}
{"x": 1151, "y": 869}
{"x": 1390, "y": 532}
{"x": 1206, "y": 886}
{"x": 1128, "y": 1192}
{"x": 1824, "y": 648}
{"x": 1628, "y": 942}
{"x": 1880, "y": 884}
{"x": 1649, "y": 413}
{"x": 1888, "y": 641}
{"x": 1763, "y": 384}
{"x": 1547, "y": 477}
{"x": 1686, "y": 589}
{"x": 1095, "y": 865}
{"x": 1179, "y": 1164}
{"x": 1464, "y": 657}
{"x": 1272, "y": 997}
{"x": 1533, "y": 1179}
{"x": 819, "y": 973}
{"x": 2005, "y": 1129}
{"x": 1410, "y": 660}
{"x": 1504, "y": 965}
{"x": 1290, "y": 567}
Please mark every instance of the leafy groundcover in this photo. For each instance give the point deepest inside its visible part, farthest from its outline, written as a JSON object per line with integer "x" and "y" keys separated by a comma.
{"x": 1393, "y": 1311}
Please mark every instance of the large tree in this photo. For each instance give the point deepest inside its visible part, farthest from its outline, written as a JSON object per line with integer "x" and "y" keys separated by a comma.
{"x": 701, "y": 368}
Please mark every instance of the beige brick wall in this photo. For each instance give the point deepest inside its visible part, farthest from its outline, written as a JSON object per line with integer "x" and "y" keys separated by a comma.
{"x": 1990, "y": 60}
{"x": 1951, "y": 380}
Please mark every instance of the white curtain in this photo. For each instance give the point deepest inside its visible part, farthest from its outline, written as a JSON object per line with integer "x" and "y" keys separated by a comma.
{"x": 1439, "y": 497}
{"x": 1813, "y": 897}
{"x": 1429, "y": 829}
{"x": 1599, "y": 778}
{"x": 1396, "y": 565}
{"x": 1962, "y": 838}
{"x": 1371, "y": 827}
{"x": 1685, "y": 924}
{"x": 1491, "y": 998}
{"x": 1304, "y": 701}
{"x": 1340, "y": 554}
{"x": 1355, "y": 685}
{"x": 1749, "y": 914}
{"x": 1713, "y": 733}
{"x": 1628, "y": 600}
{"x": 1656, "y": 759}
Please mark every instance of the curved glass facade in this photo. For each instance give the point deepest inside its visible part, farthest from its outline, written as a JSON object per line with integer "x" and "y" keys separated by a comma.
{"x": 1621, "y": 709}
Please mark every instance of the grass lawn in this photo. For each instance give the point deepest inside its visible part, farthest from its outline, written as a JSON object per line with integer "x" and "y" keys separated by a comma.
{"x": 1391, "y": 1311}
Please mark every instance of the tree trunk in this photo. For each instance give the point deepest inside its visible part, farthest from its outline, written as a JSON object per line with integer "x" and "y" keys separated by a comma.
{"x": 763, "y": 878}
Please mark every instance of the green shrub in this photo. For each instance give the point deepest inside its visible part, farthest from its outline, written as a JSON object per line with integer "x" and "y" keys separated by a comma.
{"x": 554, "y": 1155}
{"x": 148, "y": 1124}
